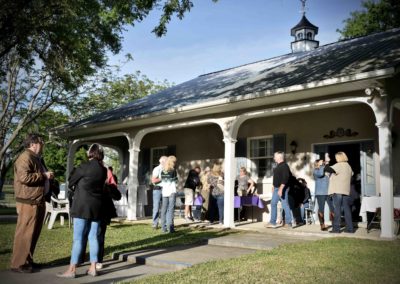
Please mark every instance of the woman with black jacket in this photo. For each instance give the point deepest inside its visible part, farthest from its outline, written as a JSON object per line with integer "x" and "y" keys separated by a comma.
{"x": 88, "y": 179}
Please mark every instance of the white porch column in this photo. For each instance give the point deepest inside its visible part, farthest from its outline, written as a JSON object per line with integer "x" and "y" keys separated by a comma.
{"x": 229, "y": 177}
{"x": 133, "y": 183}
{"x": 386, "y": 179}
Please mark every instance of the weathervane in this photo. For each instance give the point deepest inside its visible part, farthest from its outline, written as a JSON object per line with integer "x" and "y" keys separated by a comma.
{"x": 303, "y": 8}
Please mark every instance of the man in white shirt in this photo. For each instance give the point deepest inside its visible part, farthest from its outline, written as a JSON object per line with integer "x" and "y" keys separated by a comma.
{"x": 157, "y": 196}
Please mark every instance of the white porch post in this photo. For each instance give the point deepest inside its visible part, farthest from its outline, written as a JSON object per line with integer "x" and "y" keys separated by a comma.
{"x": 133, "y": 182}
{"x": 386, "y": 179}
{"x": 229, "y": 177}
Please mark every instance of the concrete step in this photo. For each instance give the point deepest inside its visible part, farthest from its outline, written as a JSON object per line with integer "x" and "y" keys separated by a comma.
{"x": 181, "y": 257}
{"x": 258, "y": 241}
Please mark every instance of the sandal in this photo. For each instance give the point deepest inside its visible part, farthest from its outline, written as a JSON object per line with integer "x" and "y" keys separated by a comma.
{"x": 92, "y": 273}
{"x": 69, "y": 275}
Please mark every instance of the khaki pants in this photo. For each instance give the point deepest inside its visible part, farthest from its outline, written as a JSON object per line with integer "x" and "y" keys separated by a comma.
{"x": 27, "y": 231}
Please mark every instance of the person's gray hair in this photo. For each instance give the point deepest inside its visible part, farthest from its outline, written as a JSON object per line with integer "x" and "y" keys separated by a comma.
{"x": 280, "y": 154}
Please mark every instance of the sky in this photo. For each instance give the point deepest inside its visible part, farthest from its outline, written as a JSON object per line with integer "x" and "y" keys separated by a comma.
{"x": 225, "y": 34}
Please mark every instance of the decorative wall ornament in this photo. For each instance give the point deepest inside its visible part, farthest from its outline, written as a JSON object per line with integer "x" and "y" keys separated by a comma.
{"x": 374, "y": 92}
{"x": 340, "y": 132}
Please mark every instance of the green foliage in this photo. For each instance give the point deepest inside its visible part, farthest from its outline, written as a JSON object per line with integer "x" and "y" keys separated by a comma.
{"x": 71, "y": 37}
{"x": 80, "y": 156}
{"x": 109, "y": 91}
{"x": 377, "y": 16}
{"x": 49, "y": 49}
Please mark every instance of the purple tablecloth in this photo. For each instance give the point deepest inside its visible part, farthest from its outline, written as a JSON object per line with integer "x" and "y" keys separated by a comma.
{"x": 248, "y": 201}
{"x": 198, "y": 201}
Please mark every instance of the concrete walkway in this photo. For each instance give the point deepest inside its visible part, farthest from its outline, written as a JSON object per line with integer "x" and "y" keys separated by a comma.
{"x": 138, "y": 264}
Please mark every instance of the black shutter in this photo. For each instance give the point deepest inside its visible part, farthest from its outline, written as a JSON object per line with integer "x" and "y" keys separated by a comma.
{"x": 279, "y": 142}
{"x": 241, "y": 147}
{"x": 144, "y": 161}
{"x": 320, "y": 150}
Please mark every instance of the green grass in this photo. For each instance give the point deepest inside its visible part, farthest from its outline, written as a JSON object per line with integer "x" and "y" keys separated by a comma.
{"x": 336, "y": 260}
{"x": 333, "y": 260}
{"x": 7, "y": 210}
{"x": 54, "y": 246}
{"x": 8, "y": 200}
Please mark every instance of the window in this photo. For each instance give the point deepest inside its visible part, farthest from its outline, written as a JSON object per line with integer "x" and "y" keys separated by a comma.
{"x": 156, "y": 153}
{"x": 300, "y": 36}
{"x": 261, "y": 156}
{"x": 309, "y": 35}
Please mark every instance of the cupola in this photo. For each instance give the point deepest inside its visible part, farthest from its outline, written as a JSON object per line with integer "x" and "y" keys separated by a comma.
{"x": 304, "y": 34}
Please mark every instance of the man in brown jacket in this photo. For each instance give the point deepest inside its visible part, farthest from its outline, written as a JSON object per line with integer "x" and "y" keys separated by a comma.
{"x": 31, "y": 183}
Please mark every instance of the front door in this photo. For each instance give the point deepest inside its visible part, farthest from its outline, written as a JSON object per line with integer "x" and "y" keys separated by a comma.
{"x": 361, "y": 160}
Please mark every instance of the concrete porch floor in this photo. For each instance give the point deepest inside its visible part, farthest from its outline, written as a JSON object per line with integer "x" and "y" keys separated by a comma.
{"x": 303, "y": 230}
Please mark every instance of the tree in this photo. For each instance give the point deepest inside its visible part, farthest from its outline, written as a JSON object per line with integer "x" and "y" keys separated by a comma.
{"x": 48, "y": 49}
{"x": 377, "y": 16}
{"x": 110, "y": 91}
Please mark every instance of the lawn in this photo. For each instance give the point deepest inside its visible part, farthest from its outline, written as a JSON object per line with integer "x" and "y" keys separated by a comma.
{"x": 336, "y": 260}
{"x": 7, "y": 202}
{"x": 54, "y": 246}
{"x": 333, "y": 260}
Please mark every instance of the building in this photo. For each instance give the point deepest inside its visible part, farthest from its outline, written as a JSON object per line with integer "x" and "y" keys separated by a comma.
{"x": 341, "y": 96}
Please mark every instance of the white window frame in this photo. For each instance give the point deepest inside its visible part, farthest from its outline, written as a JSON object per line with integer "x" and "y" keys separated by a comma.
{"x": 250, "y": 164}
{"x": 153, "y": 163}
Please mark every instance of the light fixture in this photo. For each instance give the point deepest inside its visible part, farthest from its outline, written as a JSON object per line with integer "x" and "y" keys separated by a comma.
{"x": 293, "y": 146}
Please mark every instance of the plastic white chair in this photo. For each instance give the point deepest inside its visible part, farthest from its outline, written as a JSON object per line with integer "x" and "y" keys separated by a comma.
{"x": 55, "y": 207}
{"x": 309, "y": 212}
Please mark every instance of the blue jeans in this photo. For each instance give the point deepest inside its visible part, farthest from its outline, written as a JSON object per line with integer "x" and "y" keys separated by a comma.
{"x": 321, "y": 199}
{"x": 81, "y": 227}
{"x": 156, "y": 206}
{"x": 285, "y": 205}
{"x": 167, "y": 213}
{"x": 196, "y": 209}
{"x": 341, "y": 201}
{"x": 217, "y": 203}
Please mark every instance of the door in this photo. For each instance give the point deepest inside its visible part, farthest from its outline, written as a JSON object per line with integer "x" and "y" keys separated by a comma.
{"x": 367, "y": 169}
{"x": 361, "y": 160}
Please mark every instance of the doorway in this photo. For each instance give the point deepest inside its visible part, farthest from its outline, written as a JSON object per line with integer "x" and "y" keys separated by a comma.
{"x": 361, "y": 160}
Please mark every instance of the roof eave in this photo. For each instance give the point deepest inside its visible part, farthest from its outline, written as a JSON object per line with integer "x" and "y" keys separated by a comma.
{"x": 194, "y": 108}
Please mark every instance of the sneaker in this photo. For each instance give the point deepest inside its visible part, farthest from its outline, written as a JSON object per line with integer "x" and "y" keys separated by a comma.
{"x": 273, "y": 226}
{"x": 287, "y": 226}
{"x": 99, "y": 265}
{"x": 188, "y": 220}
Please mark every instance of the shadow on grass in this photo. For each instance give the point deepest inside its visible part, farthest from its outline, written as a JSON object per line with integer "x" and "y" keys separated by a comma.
{"x": 183, "y": 238}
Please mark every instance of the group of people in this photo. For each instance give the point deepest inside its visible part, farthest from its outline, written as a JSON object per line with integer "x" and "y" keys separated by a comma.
{"x": 93, "y": 186}
{"x": 332, "y": 186}
{"x": 203, "y": 192}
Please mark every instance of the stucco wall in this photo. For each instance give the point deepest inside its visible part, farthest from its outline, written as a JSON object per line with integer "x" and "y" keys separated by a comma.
{"x": 203, "y": 145}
